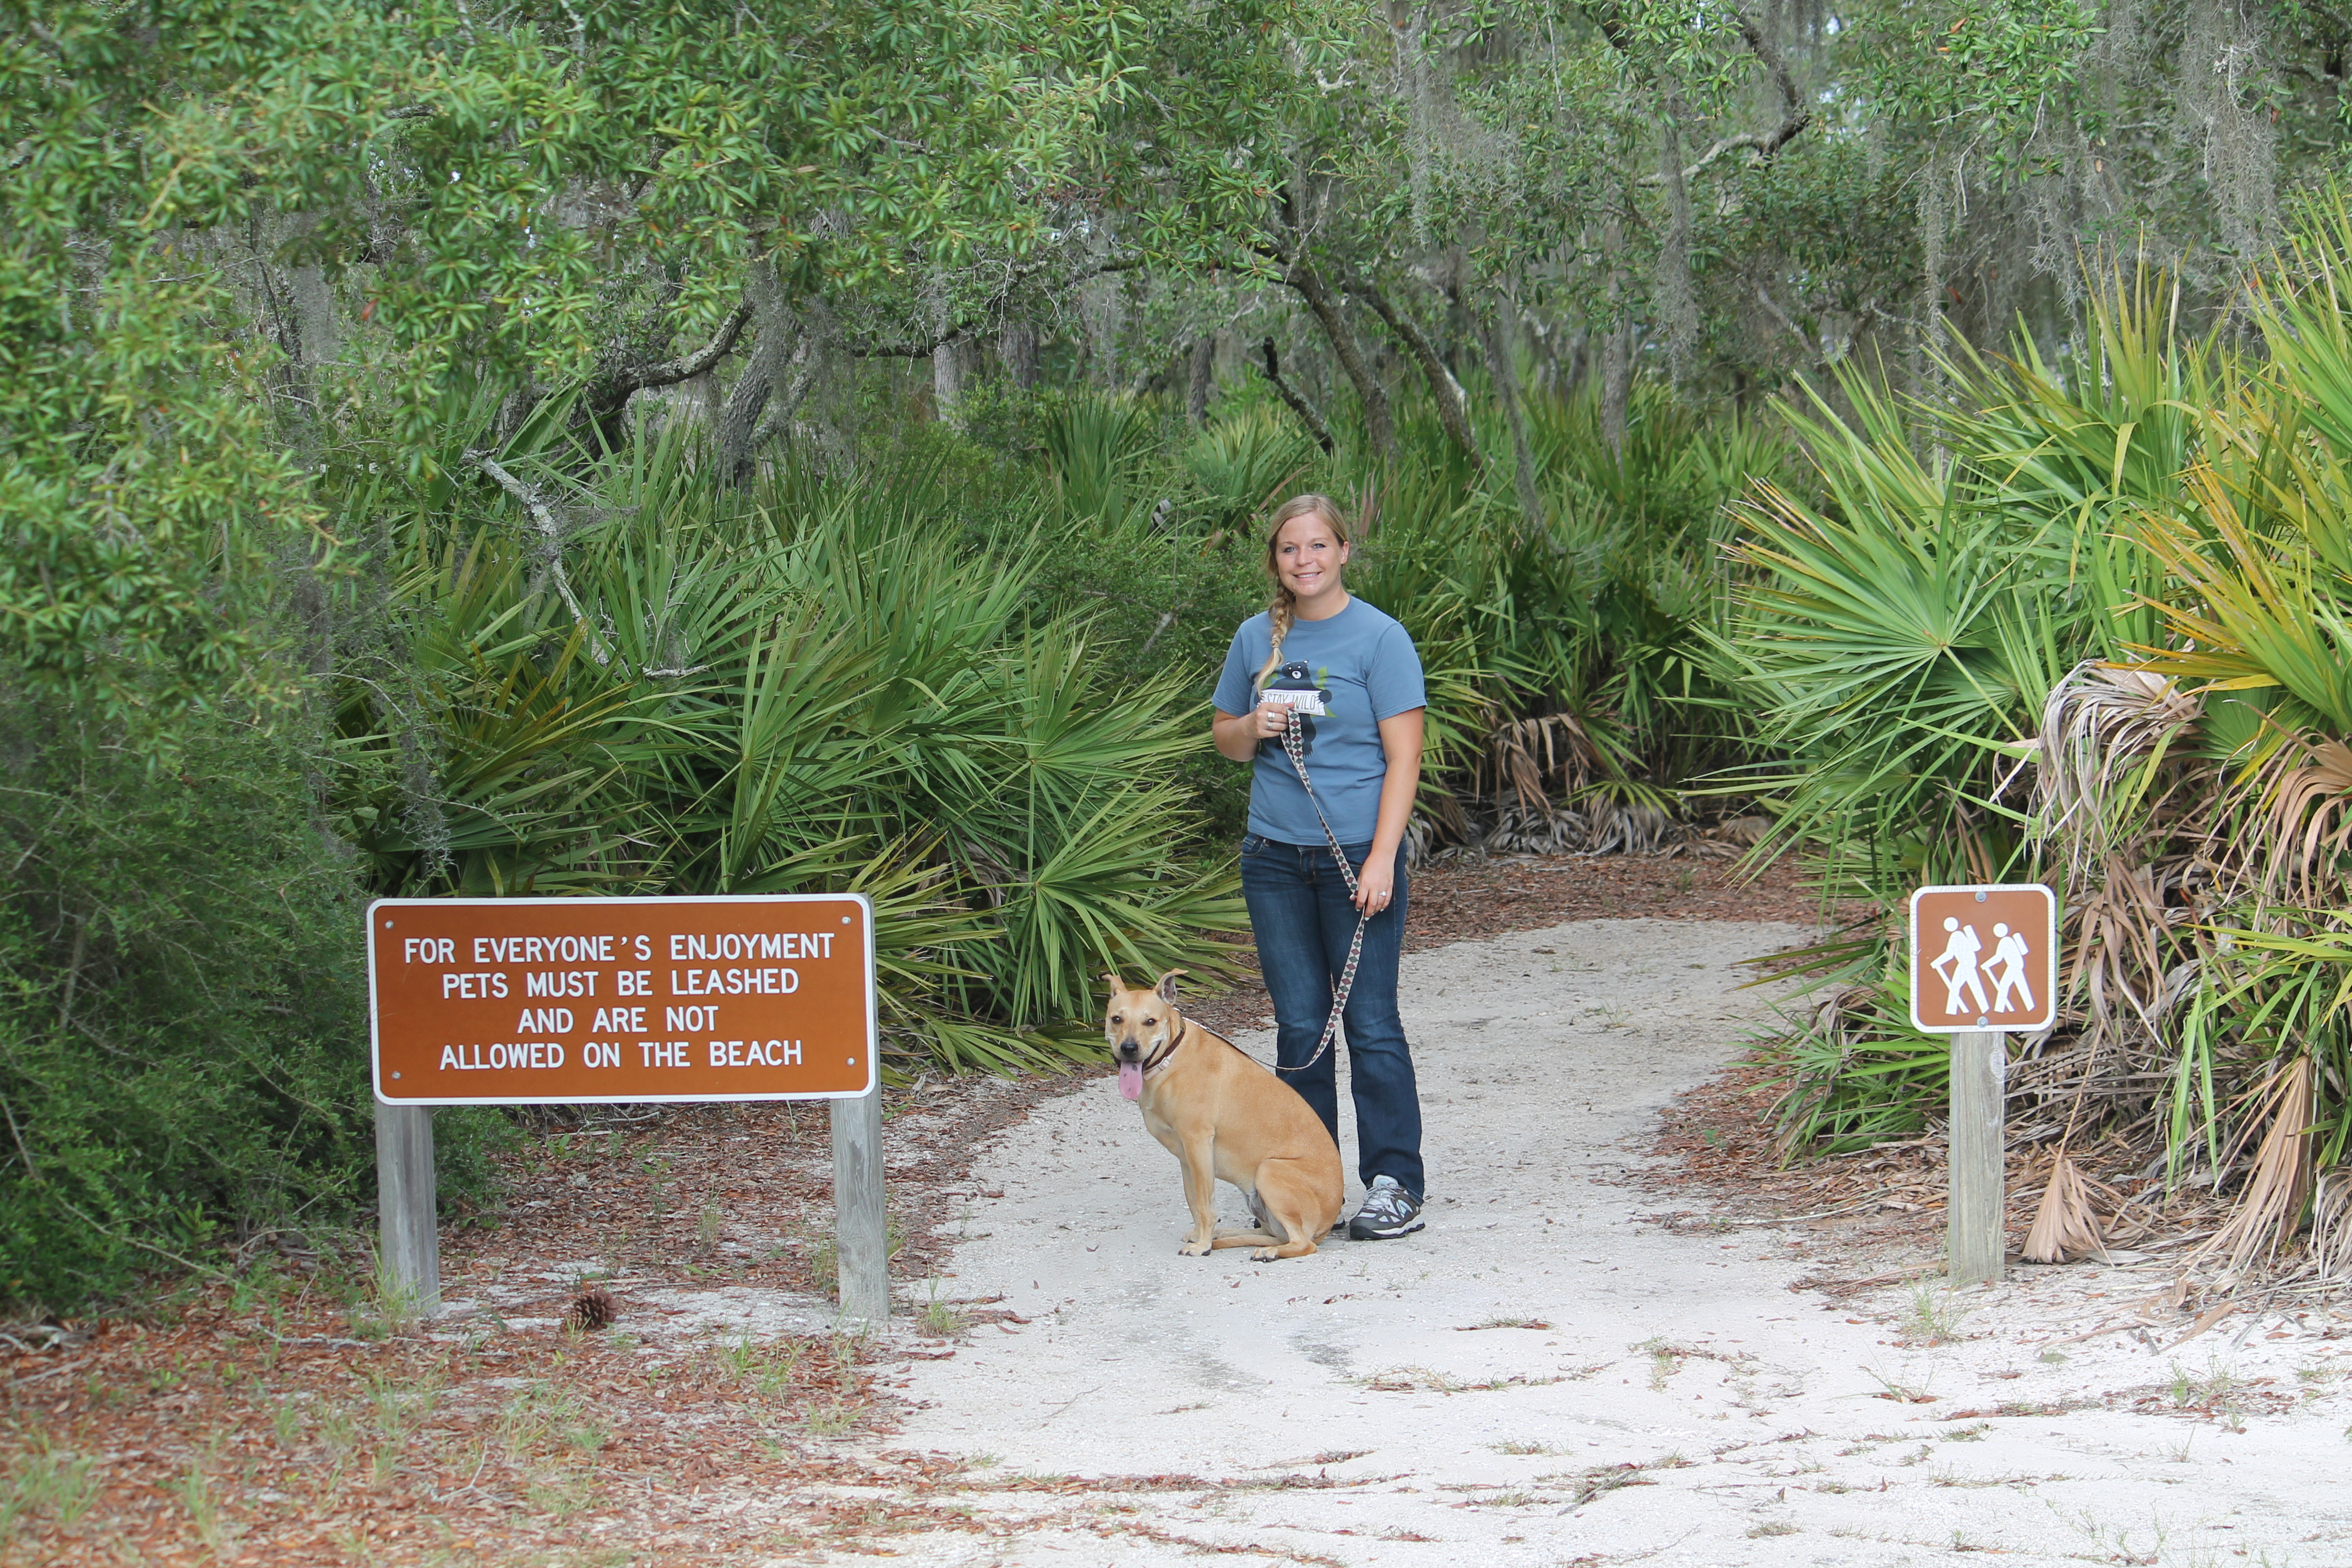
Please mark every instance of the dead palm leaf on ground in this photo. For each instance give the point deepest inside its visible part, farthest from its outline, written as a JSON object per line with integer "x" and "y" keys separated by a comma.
{"x": 2271, "y": 1208}
{"x": 2065, "y": 1226}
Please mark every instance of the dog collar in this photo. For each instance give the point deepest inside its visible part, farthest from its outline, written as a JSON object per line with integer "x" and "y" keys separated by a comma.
{"x": 1160, "y": 1058}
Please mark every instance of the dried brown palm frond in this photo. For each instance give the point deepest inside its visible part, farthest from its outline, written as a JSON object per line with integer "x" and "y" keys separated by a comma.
{"x": 1628, "y": 826}
{"x": 1527, "y": 752}
{"x": 2271, "y": 1206}
{"x": 2123, "y": 946}
{"x": 2104, "y": 731}
{"x": 2065, "y": 1226}
{"x": 2306, "y": 814}
{"x": 2331, "y": 1226}
{"x": 1540, "y": 829}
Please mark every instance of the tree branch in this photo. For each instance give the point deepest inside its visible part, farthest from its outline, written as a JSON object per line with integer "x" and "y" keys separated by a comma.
{"x": 686, "y": 367}
{"x": 1306, "y": 412}
{"x": 551, "y": 529}
{"x": 1300, "y": 274}
{"x": 1796, "y": 115}
{"x": 1452, "y": 406}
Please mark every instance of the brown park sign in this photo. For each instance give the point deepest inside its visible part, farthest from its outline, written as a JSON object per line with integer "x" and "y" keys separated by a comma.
{"x": 1984, "y": 958}
{"x": 581, "y": 1001}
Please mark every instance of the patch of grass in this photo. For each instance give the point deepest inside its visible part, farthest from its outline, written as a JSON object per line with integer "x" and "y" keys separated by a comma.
{"x": 1777, "y": 1527}
{"x": 1901, "y": 1393}
{"x": 833, "y": 1418}
{"x": 942, "y": 1320}
{"x": 45, "y": 1484}
{"x": 1935, "y": 1317}
{"x": 1525, "y": 1449}
{"x": 768, "y": 1365}
{"x": 195, "y": 1495}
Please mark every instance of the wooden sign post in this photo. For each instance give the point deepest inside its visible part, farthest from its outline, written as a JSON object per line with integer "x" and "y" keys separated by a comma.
{"x": 1984, "y": 961}
{"x": 614, "y": 1001}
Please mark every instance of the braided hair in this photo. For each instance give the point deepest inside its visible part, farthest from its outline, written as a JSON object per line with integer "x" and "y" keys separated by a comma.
{"x": 1284, "y": 609}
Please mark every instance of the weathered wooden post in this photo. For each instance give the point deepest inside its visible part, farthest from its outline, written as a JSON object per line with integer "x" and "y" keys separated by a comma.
{"x": 861, "y": 1242}
{"x": 1984, "y": 961}
{"x": 1975, "y": 1213}
{"x": 408, "y": 1252}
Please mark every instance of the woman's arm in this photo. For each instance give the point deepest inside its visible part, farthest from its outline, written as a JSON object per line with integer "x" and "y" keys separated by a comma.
{"x": 1237, "y": 734}
{"x": 1400, "y": 737}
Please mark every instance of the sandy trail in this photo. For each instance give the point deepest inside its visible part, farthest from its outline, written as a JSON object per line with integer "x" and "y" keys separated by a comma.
{"x": 1540, "y": 1377}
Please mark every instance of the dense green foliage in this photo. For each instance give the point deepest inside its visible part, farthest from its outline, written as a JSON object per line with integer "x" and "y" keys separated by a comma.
{"x": 800, "y": 686}
{"x": 2100, "y": 639}
{"x": 183, "y": 1031}
{"x": 693, "y": 446}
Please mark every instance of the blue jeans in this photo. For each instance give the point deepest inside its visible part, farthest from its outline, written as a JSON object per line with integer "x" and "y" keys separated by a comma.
{"x": 1302, "y": 917}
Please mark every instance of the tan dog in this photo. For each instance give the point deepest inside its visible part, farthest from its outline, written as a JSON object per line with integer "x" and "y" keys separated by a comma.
{"x": 1225, "y": 1118}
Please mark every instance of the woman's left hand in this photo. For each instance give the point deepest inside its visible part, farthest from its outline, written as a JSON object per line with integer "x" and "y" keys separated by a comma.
{"x": 1376, "y": 883}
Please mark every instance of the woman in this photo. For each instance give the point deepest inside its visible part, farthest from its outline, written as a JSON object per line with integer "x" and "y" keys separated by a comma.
{"x": 1363, "y": 756}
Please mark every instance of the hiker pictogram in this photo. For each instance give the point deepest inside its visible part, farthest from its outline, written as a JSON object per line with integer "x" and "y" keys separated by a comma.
{"x": 1983, "y": 958}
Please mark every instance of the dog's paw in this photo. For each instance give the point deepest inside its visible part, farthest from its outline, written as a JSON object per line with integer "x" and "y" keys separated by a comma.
{"x": 1268, "y": 1255}
{"x": 1193, "y": 1249}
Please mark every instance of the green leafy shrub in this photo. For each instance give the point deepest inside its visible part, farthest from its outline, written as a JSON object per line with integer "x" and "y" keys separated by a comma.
{"x": 182, "y": 1027}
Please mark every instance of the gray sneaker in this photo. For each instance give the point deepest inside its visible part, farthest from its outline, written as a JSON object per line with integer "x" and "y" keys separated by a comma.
{"x": 1387, "y": 1211}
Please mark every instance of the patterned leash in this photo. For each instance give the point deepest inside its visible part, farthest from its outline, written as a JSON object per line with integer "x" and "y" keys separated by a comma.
{"x": 1294, "y": 743}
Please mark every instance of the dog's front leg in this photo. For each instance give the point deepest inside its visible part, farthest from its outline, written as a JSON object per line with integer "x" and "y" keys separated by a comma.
{"x": 1200, "y": 1195}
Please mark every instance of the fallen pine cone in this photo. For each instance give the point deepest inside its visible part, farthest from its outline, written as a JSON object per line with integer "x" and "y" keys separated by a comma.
{"x": 592, "y": 1309}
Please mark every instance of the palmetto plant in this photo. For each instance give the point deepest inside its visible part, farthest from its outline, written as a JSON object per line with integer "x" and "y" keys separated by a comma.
{"x": 806, "y": 685}
{"x": 2126, "y": 581}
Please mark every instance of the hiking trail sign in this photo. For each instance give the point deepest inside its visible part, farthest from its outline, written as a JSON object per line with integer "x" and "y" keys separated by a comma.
{"x": 603, "y": 1000}
{"x": 1984, "y": 958}
{"x": 1984, "y": 964}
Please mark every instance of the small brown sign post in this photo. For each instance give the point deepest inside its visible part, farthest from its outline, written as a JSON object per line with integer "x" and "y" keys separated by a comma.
{"x": 1984, "y": 961}
{"x": 605, "y": 1001}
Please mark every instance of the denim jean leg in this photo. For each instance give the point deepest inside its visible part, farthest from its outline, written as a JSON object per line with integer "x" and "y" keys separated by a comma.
{"x": 1380, "y": 1063}
{"x": 1278, "y": 883}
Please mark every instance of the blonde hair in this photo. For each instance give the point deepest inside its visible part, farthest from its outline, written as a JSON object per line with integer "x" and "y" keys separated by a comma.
{"x": 1284, "y": 609}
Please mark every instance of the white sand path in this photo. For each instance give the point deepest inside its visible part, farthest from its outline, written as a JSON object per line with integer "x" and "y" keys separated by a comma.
{"x": 1680, "y": 1403}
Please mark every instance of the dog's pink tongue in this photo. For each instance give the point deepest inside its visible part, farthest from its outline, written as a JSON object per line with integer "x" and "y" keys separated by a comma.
{"x": 1131, "y": 1079}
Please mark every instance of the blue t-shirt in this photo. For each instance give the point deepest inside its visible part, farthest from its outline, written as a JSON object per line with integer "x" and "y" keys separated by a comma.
{"x": 1367, "y": 662}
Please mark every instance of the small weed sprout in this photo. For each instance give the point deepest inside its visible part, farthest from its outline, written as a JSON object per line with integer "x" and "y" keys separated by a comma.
{"x": 942, "y": 1320}
{"x": 1935, "y": 1317}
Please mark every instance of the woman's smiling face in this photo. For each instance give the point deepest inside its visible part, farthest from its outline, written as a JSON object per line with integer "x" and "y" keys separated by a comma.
{"x": 1308, "y": 556}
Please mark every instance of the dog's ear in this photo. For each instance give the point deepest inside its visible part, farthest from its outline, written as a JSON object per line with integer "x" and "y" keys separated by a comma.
{"x": 1167, "y": 986}
{"x": 1110, "y": 976}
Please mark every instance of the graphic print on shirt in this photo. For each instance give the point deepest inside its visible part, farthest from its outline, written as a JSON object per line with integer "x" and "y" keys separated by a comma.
{"x": 1304, "y": 694}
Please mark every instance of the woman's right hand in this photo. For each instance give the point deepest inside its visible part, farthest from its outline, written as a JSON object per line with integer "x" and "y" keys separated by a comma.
{"x": 1272, "y": 720}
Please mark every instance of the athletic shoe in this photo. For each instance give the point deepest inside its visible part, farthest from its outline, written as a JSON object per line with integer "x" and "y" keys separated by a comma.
{"x": 1387, "y": 1211}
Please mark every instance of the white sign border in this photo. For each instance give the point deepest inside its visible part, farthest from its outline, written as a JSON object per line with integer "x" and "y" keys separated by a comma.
{"x": 2050, "y": 1003}
{"x": 873, "y": 1032}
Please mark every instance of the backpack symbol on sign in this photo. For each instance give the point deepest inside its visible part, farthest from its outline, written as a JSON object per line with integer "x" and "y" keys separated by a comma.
{"x": 1961, "y": 952}
{"x": 1294, "y": 689}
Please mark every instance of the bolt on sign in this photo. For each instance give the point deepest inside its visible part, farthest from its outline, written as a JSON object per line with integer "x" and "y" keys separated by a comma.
{"x": 1984, "y": 958}
{"x": 583, "y": 1001}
